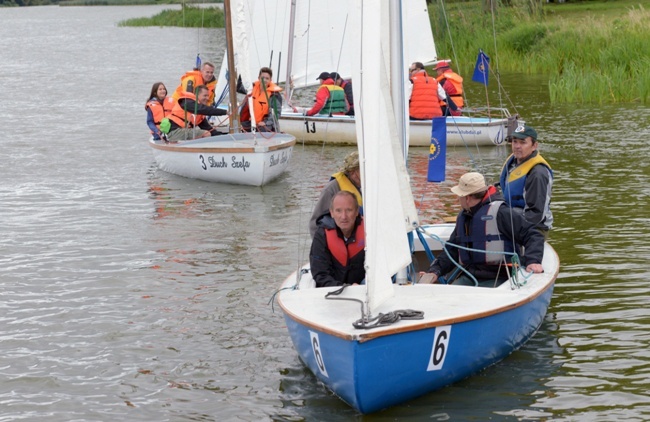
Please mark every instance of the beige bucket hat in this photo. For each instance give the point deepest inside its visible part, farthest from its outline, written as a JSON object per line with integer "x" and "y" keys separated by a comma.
{"x": 469, "y": 183}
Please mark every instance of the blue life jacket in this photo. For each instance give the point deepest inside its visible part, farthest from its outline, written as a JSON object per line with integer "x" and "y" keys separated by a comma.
{"x": 482, "y": 234}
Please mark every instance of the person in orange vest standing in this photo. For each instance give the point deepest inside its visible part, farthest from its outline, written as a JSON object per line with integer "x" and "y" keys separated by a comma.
{"x": 267, "y": 104}
{"x": 190, "y": 80}
{"x": 158, "y": 107}
{"x": 426, "y": 93}
{"x": 452, "y": 83}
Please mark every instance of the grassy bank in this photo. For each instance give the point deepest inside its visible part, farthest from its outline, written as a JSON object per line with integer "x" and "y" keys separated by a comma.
{"x": 186, "y": 17}
{"x": 594, "y": 51}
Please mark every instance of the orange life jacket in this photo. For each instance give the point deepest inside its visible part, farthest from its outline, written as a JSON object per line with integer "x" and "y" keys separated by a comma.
{"x": 456, "y": 92}
{"x": 160, "y": 110}
{"x": 197, "y": 79}
{"x": 260, "y": 101}
{"x": 342, "y": 252}
{"x": 185, "y": 118}
{"x": 424, "y": 103}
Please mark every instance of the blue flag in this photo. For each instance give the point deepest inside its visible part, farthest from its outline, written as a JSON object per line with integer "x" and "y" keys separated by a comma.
{"x": 437, "y": 150}
{"x": 482, "y": 68}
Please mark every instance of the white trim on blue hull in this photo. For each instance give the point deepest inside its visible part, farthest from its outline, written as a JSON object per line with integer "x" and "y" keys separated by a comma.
{"x": 464, "y": 330}
{"x": 462, "y": 130}
{"x": 243, "y": 159}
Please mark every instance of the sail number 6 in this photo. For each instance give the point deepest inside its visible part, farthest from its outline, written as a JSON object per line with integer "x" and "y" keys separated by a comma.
{"x": 440, "y": 347}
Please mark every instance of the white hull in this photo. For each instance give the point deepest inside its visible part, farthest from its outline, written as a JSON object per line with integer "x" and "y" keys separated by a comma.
{"x": 244, "y": 158}
{"x": 340, "y": 130}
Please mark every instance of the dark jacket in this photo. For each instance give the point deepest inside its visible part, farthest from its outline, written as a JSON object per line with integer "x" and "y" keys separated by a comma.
{"x": 191, "y": 105}
{"x": 512, "y": 225}
{"x": 325, "y": 269}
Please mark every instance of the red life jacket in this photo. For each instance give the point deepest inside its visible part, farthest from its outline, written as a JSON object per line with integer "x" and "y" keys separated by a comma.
{"x": 342, "y": 252}
{"x": 424, "y": 103}
{"x": 453, "y": 84}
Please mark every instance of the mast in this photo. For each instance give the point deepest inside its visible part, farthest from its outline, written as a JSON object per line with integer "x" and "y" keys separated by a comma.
{"x": 292, "y": 28}
{"x": 398, "y": 78}
{"x": 234, "y": 115}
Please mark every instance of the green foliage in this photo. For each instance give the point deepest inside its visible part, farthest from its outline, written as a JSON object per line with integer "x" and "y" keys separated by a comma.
{"x": 589, "y": 58}
{"x": 187, "y": 17}
{"x": 523, "y": 39}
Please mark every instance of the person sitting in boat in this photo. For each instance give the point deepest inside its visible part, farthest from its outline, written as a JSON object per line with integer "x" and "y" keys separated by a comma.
{"x": 187, "y": 119}
{"x": 267, "y": 103}
{"x": 452, "y": 83}
{"x": 330, "y": 98}
{"x": 337, "y": 252}
{"x": 426, "y": 94}
{"x": 487, "y": 223}
{"x": 348, "y": 179}
{"x": 347, "y": 88}
{"x": 158, "y": 107}
{"x": 190, "y": 80}
{"x": 527, "y": 179}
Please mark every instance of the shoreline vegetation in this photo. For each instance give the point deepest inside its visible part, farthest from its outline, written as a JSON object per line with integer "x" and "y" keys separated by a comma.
{"x": 593, "y": 51}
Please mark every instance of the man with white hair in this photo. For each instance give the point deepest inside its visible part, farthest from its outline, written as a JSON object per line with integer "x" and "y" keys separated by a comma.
{"x": 486, "y": 223}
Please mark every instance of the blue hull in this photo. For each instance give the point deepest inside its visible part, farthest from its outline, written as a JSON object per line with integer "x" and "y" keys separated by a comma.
{"x": 375, "y": 374}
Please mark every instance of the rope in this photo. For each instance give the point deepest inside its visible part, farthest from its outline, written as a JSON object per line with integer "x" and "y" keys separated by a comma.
{"x": 514, "y": 260}
{"x": 383, "y": 320}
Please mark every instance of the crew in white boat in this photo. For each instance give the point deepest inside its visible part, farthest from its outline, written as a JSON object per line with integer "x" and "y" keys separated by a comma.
{"x": 330, "y": 99}
{"x": 267, "y": 103}
{"x": 452, "y": 83}
{"x": 426, "y": 94}
{"x": 349, "y": 179}
{"x": 347, "y": 88}
{"x": 487, "y": 223}
{"x": 337, "y": 252}
{"x": 187, "y": 119}
{"x": 527, "y": 179}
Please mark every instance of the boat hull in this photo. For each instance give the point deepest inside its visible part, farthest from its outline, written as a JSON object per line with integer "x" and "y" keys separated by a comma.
{"x": 341, "y": 130}
{"x": 245, "y": 159}
{"x": 464, "y": 330}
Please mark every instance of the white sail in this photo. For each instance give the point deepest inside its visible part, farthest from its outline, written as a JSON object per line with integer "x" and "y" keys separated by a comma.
{"x": 322, "y": 37}
{"x": 387, "y": 198}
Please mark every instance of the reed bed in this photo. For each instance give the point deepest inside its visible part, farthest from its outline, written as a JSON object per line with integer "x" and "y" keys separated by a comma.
{"x": 186, "y": 17}
{"x": 590, "y": 58}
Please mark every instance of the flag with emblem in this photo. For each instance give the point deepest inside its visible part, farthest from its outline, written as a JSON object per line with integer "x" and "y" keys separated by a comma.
{"x": 437, "y": 150}
{"x": 482, "y": 68}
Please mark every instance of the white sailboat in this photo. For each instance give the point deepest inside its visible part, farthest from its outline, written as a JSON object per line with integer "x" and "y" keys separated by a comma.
{"x": 237, "y": 158}
{"x": 299, "y": 40}
{"x": 462, "y": 329}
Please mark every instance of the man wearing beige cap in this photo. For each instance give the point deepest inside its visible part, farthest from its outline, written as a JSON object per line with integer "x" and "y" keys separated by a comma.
{"x": 486, "y": 223}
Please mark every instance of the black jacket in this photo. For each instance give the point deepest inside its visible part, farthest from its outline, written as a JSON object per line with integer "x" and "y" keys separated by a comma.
{"x": 326, "y": 270}
{"x": 512, "y": 225}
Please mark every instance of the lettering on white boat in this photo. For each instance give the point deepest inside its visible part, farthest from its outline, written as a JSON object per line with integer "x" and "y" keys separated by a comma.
{"x": 281, "y": 158}
{"x": 203, "y": 166}
{"x": 318, "y": 356}
{"x": 439, "y": 349}
{"x": 313, "y": 127}
{"x": 243, "y": 164}
{"x": 464, "y": 132}
{"x": 218, "y": 163}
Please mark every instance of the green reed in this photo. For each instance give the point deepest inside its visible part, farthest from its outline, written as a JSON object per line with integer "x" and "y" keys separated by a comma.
{"x": 588, "y": 57}
{"x": 187, "y": 17}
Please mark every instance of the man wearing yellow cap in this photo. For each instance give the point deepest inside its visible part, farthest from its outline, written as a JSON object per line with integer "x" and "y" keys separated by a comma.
{"x": 486, "y": 223}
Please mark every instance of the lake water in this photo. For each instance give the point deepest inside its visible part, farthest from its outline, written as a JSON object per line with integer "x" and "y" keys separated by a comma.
{"x": 132, "y": 294}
